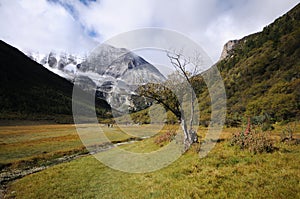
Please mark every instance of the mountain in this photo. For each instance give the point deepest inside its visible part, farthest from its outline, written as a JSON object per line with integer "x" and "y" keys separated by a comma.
{"x": 114, "y": 73}
{"x": 121, "y": 64}
{"x": 261, "y": 73}
{"x": 62, "y": 64}
{"x": 30, "y": 91}
{"x": 117, "y": 72}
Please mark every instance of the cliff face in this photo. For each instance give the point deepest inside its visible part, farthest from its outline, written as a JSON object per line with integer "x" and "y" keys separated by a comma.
{"x": 227, "y": 49}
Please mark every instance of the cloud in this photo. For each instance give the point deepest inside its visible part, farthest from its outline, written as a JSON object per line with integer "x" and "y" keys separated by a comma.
{"x": 41, "y": 26}
{"x": 76, "y": 25}
{"x": 213, "y": 23}
{"x": 111, "y": 17}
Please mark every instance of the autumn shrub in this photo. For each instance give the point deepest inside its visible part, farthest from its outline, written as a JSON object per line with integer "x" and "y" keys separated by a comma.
{"x": 254, "y": 141}
{"x": 166, "y": 137}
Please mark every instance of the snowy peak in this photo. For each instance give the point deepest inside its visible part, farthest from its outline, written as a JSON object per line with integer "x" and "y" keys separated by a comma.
{"x": 121, "y": 63}
{"x": 63, "y": 64}
{"x": 114, "y": 73}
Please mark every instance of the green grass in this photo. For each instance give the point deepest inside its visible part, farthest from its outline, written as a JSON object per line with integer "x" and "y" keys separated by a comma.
{"x": 226, "y": 172}
{"x": 27, "y": 143}
{"x": 19, "y": 143}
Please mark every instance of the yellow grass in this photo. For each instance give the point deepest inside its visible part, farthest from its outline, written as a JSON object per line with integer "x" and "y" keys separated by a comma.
{"x": 226, "y": 172}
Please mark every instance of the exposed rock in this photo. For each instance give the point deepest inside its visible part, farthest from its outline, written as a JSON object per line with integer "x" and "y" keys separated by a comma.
{"x": 114, "y": 73}
{"x": 227, "y": 49}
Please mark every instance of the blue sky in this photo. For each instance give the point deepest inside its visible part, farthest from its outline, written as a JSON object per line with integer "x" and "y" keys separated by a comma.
{"x": 77, "y": 26}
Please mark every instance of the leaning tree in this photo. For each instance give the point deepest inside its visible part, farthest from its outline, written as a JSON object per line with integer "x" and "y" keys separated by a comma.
{"x": 177, "y": 95}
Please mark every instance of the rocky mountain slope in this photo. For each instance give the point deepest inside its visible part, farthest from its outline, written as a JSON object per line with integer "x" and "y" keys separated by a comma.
{"x": 62, "y": 64}
{"x": 114, "y": 73}
{"x": 121, "y": 64}
{"x": 261, "y": 73}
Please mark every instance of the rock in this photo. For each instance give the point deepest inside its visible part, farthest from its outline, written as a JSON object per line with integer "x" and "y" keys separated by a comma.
{"x": 227, "y": 49}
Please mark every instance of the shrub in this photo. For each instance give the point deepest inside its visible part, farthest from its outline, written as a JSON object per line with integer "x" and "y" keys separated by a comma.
{"x": 254, "y": 141}
{"x": 166, "y": 137}
{"x": 287, "y": 135}
{"x": 267, "y": 127}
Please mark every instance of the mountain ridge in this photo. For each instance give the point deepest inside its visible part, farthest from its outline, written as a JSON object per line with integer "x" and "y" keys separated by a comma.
{"x": 30, "y": 91}
{"x": 261, "y": 73}
{"x": 114, "y": 73}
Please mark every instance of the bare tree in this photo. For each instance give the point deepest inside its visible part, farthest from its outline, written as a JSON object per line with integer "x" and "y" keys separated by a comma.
{"x": 181, "y": 64}
{"x": 177, "y": 92}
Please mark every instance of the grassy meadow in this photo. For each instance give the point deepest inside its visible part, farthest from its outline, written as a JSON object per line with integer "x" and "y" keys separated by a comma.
{"x": 226, "y": 172}
{"x": 19, "y": 144}
{"x": 34, "y": 144}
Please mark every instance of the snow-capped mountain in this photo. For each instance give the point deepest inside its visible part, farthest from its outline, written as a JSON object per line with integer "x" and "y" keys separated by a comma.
{"x": 63, "y": 64}
{"x": 114, "y": 73}
{"x": 121, "y": 64}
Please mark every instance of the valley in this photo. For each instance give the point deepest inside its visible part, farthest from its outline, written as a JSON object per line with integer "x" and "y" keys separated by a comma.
{"x": 97, "y": 126}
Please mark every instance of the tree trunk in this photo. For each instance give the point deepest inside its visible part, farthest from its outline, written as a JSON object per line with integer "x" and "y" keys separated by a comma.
{"x": 192, "y": 133}
{"x": 192, "y": 111}
{"x": 187, "y": 139}
{"x": 193, "y": 136}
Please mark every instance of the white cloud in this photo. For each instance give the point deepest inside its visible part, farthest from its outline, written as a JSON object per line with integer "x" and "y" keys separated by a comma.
{"x": 115, "y": 16}
{"x": 44, "y": 26}
{"x": 213, "y": 23}
{"x": 40, "y": 26}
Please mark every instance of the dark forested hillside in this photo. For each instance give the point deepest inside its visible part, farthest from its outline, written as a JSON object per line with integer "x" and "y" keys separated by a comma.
{"x": 29, "y": 91}
{"x": 262, "y": 73}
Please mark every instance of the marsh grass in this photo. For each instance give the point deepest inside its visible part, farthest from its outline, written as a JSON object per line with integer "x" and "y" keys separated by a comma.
{"x": 26, "y": 143}
{"x": 22, "y": 146}
{"x": 226, "y": 172}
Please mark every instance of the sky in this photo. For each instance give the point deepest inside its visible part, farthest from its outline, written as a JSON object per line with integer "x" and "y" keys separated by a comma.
{"x": 78, "y": 26}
